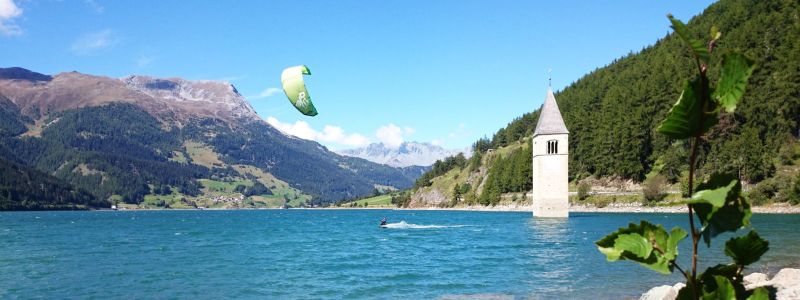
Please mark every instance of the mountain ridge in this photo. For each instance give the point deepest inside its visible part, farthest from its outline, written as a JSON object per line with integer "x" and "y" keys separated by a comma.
{"x": 172, "y": 99}
{"x": 405, "y": 155}
{"x": 140, "y": 138}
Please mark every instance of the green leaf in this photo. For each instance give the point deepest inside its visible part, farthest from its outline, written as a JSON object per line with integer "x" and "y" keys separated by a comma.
{"x": 686, "y": 292}
{"x": 716, "y": 197}
{"x": 747, "y": 249}
{"x": 683, "y": 119}
{"x": 731, "y": 217}
{"x": 724, "y": 290}
{"x": 715, "y": 34}
{"x": 718, "y": 214}
{"x": 710, "y": 286}
{"x": 635, "y": 244}
{"x": 675, "y": 237}
{"x": 736, "y": 69}
{"x": 759, "y": 294}
{"x": 730, "y": 271}
{"x": 645, "y": 243}
{"x": 699, "y": 49}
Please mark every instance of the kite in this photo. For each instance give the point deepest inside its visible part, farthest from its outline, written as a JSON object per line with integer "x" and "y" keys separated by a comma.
{"x": 295, "y": 89}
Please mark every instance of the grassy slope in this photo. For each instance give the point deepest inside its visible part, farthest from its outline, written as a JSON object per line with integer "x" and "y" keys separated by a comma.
{"x": 279, "y": 188}
{"x": 446, "y": 183}
{"x": 203, "y": 155}
{"x": 377, "y": 201}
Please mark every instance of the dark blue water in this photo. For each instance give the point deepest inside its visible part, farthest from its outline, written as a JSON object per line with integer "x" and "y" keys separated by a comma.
{"x": 302, "y": 254}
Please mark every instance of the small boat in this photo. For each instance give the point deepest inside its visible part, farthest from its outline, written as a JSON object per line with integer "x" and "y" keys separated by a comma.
{"x": 113, "y": 207}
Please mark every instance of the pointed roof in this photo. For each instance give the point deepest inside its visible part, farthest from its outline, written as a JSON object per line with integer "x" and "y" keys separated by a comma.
{"x": 550, "y": 121}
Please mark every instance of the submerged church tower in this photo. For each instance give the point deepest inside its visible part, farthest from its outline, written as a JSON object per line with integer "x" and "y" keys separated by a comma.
{"x": 550, "y": 162}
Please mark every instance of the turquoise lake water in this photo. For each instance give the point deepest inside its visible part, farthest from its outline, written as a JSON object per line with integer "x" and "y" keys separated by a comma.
{"x": 321, "y": 254}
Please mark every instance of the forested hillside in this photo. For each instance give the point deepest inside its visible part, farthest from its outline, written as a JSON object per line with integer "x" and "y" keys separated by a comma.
{"x": 23, "y": 188}
{"x": 612, "y": 112}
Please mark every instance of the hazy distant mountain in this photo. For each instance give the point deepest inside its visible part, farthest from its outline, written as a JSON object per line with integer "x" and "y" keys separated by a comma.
{"x": 125, "y": 138}
{"x": 408, "y": 154}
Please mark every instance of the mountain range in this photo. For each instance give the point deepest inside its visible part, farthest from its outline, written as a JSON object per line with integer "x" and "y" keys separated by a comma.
{"x": 406, "y": 155}
{"x": 146, "y": 141}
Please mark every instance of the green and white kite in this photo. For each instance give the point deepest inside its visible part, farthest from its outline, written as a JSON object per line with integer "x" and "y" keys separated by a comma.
{"x": 295, "y": 89}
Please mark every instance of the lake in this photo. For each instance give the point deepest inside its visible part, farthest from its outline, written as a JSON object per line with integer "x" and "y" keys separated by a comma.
{"x": 320, "y": 254}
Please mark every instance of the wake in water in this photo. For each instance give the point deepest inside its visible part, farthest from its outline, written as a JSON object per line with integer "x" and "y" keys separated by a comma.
{"x": 404, "y": 225}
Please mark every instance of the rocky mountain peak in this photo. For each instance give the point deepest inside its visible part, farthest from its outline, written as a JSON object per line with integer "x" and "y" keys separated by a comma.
{"x": 196, "y": 92}
{"x": 175, "y": 98}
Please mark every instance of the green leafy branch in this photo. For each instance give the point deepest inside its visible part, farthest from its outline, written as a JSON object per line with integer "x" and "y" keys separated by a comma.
{"x": 717, "y": 203}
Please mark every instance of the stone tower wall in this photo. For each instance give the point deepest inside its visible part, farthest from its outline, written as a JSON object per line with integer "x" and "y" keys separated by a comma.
{"x": 550, "y": 177}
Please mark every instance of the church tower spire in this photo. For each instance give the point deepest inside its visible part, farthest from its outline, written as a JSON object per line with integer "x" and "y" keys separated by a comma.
{"x": 550, "y": 120}
{"x": 550, "y": 161}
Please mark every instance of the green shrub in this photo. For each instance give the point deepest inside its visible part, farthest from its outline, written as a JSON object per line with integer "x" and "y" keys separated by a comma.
{"x": 471, "y": 198}
{"x": 758, "y": 196}
{"x": 583, "y": 190}
{"x": 654, "y": 189}
{"x": 778, "y": 189}
{"x": 684, "y": 183}
{"x": 794, "y": 197}
{"x": 786, "y": 155}
{"x": 601, "y": 202}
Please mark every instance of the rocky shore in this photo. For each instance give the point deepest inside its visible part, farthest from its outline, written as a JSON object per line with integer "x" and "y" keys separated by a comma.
{"x": 783, "y": 208}
{"x": 786, "y": 282}
{"x": 628, "y": 207}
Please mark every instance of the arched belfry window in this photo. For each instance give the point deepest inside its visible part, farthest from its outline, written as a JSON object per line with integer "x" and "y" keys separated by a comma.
{"x": 552, "y": 147}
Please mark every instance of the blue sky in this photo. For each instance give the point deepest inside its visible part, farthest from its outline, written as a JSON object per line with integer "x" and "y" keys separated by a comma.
{"x": 447, "y": 72}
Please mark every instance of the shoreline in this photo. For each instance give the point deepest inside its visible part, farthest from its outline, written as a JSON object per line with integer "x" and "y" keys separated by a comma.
{"x": 611, "y": 208}
{"x": 580, "y": 208}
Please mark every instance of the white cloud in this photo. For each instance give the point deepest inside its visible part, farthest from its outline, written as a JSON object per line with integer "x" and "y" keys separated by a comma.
{"x": 95, "y": 41}
{"x": 457, "y": 135}
{"x": 95, "y": 6}
{"x": 390, "y": 135}
{"x": 144, "y": 61}
{"x": 460, "y": 132}
{"x": 9, "y": 11}
{"x": 299, "y": 129}
{"x": 393, "y": 136}
{"x": 356, "y": 140}
{"x": 269, "y": 92}
{"x": 329, "y": 134}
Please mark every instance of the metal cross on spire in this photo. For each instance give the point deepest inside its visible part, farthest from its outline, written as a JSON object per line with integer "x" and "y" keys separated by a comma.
{"x": 549, "y": 78}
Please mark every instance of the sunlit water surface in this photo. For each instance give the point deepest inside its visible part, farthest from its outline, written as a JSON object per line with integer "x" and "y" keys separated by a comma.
{"x": 319, "y": 254}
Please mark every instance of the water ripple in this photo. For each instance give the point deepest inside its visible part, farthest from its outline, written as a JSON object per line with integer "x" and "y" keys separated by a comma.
{"x": 302, "y": 254}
